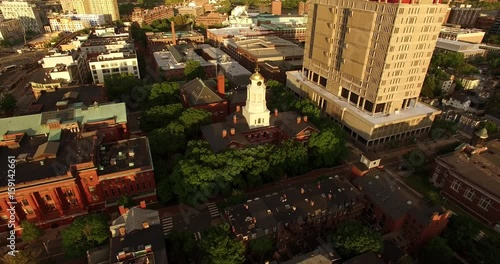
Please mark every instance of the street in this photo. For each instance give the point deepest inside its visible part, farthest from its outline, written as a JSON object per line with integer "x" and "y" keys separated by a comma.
{"x": 21, "y": 59}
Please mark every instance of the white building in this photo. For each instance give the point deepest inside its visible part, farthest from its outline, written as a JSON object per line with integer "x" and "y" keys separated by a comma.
{"x": 68, "y": 24}
{"x": 26, "y": 12}
{"x": 470, "y": 35}
{"x": 448, "y": 86}
{"x": 255, "y": 111}
{"x": 67, "y": 66}
{"x": 467, "y": 49}
{"x": 113, "y": 63}
{"x": 95, "y": 20}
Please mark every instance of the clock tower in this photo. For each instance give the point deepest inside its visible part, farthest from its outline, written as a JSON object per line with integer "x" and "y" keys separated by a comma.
{"x": 255, "y": 111}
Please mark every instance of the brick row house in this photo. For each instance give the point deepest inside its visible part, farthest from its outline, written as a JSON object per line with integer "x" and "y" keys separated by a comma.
{"x": 470, "y": 178}
{"x": 67, "y": 164}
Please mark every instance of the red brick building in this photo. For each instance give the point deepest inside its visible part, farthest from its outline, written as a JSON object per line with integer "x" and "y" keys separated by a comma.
{"x": 470, "y": 178}
{"x": 211, "y": 19}
{"x": 147, "y": 16}
{"x": 394, "y": 211}
{"x": 202, "y": 95}
{"x": 68, "y": 163}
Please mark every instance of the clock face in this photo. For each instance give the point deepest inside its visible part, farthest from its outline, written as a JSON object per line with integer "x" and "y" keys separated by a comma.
{"x": 259, "y": 83}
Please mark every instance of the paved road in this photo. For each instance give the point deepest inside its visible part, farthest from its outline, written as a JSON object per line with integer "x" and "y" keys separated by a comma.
{"x": 21, "y": 59}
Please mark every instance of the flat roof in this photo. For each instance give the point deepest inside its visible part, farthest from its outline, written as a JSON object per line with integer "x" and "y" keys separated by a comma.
{"x": 124, "y": 155}
{"x": 292, "y": 205}
{"x": 458, "y": 46}
{"x": 420, "y": 109}
{"x": 53, "y": 169}
{"x": 238, "y": 31}
{"x": 87, "y": 94}
{"x": 461, "y": 30}
{"x": 481, "y": 170}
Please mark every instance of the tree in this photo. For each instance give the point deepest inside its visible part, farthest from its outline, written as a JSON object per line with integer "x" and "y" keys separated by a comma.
{"x": 193, "y": 70}
{"x": 436, "y": 251}
{"x": 193, "y": 119}
{"x": 164, "y": 93}
{"x": 8, "y": 103}
{"x": 219, "y": 248}
{"x": 428, "y": 87}
{"x": 326, "y": 147}
{"x": 491, "y": 127}
{"x": 126, "y": 201}
{"x": 167, "y": 140}
{"x": 160, "y": 116}
{"x": 120, "y": 85}
{"x": 262, "y": 246}
{"x": 31, "y": 232}
{"x": 85, "y": 233}
{"x": 24, "y": 256}
{"x": 181, "y": 245}
{"x": 353, "y": 238}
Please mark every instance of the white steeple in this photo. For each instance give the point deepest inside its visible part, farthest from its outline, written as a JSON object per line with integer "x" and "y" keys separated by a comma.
{"x": 255, "y": 111}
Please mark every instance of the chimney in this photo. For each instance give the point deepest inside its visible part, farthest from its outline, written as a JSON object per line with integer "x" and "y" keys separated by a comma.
{"x": 299, "y": 119}
{"x": 275, "y": 111}
{"x": 246, "y": 206}
{"x": 122, "y": 255}
{"x": 305, "y": 119}
{"x": 302, "y": 191}
{"x": 143, "y": 204}
{"x": 329, "y": 196}
{"x": 238, "y": 108}
{"x": 232, "y": 131}
{"x": 122, "y": 209}
{"x": 319, "y": 185}
{"x": 276, "y": 7}
{"x": 174, "y": 37}
{"x": 235, "y": 119}
{"x": 224, "y": 133}
{"x": 221, "y": 85}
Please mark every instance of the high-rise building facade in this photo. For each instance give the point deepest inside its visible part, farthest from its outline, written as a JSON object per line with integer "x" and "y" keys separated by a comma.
{"x": 26, "y": 12}
{"x": 365, "y": 62}
{"x": 105, "y": 7}
{"x": 465, "y": 16}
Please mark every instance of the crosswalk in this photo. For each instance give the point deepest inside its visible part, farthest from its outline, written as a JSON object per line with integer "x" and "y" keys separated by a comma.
{"x": 167, "y": 225}
{"x": 213, "y": 210}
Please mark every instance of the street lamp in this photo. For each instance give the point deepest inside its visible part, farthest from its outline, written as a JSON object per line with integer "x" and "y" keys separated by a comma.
{"x": 46, "y": 245}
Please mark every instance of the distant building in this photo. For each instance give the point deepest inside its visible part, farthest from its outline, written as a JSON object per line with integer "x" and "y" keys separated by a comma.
{"x": 466, "y": 101}
{"x": 218, "y": 36}
{"x": 252, "y": 124}
{"x": 113, "y": 63}
{"x": 68, "y": 24}
{"x": 147, "y": 16}
{"x": 27, "y": 13}
{"x": 171, "y": 62}
{"x": 460, "y": 34}
{"x": 207, "y": 95}
{"x": 465, "y": 16}
{"x": 11, "y": 30}
{"x": 276, "y": 7}
{"x": 69, "y": 66}
{"x": 95, "y": 20}
{"x": 211, "y": 19}
{"x": 495, "y": 27}
{"x": 448, "y": 86}
{"x": 485, "y": 22}
{"x": 469, "y": 177}
{"x": 154, "y": 38}
{"x": 190, "y": 9}
{"x": 469, "y": 50}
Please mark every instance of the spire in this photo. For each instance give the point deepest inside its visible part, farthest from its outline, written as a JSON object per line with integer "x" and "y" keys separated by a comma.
{"x": 257, "y": 69}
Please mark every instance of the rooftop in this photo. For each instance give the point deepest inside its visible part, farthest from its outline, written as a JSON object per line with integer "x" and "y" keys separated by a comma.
{"x": 365, "y": 258}
{"x": 458, "y": 30}
{"x": 239, "y": 31}
{"x": 124, "y": 155}
{"x": 168, "y": 34}
{"x": 481, "y": 169}
{"x": 268, "y": 47}
{"x": 458, "y": 46}
{"x": 286, "y": 121}
{"x": 293, "y": 204}
{"x": 112, "y": 56}
{"x": 420, "y": 109}
{"x": 84, "y": 94}
{"x": 200, "y": 92}
{"x": 176, "y": 56}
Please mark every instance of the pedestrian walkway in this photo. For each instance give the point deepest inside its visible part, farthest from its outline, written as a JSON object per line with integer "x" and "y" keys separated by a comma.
{"x": 213, "y": 210}
{"x": 167, "y": 225}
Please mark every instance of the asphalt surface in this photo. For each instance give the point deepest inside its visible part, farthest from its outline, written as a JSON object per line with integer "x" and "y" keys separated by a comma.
{"x": 21, "y": 59}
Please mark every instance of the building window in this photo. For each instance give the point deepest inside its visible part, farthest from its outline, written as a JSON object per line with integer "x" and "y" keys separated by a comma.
{"x": 48, "y": 198}
{"x": 91, "y": 189}
{"x": 25, "y": 202}
{"x": 455, "y": 185}
{"x": 484, "y": 203}
{"x": 28, "y": 211}
{"x": 469, "y": 194}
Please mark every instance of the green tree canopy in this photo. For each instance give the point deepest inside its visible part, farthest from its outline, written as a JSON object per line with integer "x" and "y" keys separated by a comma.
{"x": 164, "y": 93}
{"x": 353, "y": 238}
{"x": 436, "y": 251}
{"x": 220, "y": 248}
{"x": 193, "y": 70}
{"x": 262, "y": 246}
{"x": 167, "y": 140}
{"x": 85, "y": 233}
{"x": 193, "y": 119}
{"x": 429, "y": 86}
{"x": 326, "y": 147}
{"x": 181, "y": 246}
{"x": 24, "y": 256}
{"x": 119, "y": 85}
{"x": 31, "y": 232}
{"x": 160, "y": 116}
{"x": 491, "y": 127}
{"x": 8, "y": 103}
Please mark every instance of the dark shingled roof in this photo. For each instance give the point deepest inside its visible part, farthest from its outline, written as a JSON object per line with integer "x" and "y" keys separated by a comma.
{"x": 365, "y": 258}
{"x": 286, "y": 121}
{"x": 200, "y": 92}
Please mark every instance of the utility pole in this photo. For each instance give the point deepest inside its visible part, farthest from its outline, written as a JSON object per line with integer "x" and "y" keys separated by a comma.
{"x": 46, "y": 245}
